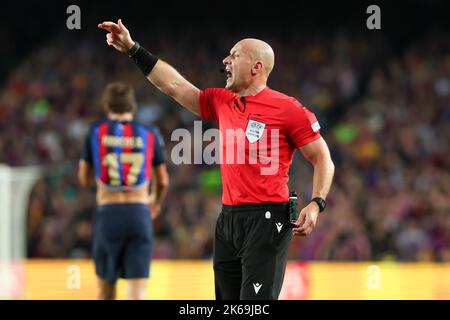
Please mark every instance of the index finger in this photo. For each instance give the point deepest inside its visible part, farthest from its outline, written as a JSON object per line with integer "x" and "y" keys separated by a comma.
{"x": 305, "y": 226}
{"x": 300, "y": 220}
{"x": 109, "y": 26}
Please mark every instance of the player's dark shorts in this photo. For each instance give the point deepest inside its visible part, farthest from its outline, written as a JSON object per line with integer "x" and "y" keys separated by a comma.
{"x": 250, "y": 251}
{"x": 122, "y": 244}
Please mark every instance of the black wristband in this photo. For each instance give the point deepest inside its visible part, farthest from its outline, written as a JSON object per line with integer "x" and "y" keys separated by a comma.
{"x": 320, "y": 202}
{"x": 133, "y": 49}
{"x": 142, "y": 58}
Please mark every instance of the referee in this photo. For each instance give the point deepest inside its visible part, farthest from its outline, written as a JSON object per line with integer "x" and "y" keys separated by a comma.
{"x": 253, "y": 231}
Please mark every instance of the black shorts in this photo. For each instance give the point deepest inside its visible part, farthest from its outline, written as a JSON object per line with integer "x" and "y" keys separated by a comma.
{"x": 122, "y": 244}
{"x": 250, "y": 251}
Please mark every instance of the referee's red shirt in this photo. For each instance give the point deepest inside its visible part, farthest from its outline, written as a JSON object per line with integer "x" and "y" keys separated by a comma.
{"x": 257, "y": 117}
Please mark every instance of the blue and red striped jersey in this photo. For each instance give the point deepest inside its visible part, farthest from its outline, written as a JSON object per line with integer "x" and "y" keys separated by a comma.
{"x": 123, "y": 153}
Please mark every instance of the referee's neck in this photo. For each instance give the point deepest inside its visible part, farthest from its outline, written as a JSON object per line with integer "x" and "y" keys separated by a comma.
{"x": 252, "y": 90}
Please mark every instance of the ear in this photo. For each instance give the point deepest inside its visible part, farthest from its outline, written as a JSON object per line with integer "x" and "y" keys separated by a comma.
{"x": 105, "y": 108}
{"x": 257, "y": 67}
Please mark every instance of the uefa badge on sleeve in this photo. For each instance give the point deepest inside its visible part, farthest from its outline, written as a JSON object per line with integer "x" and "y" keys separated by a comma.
{"x": 254, "y": 130}
{"x": 315, "y": 126}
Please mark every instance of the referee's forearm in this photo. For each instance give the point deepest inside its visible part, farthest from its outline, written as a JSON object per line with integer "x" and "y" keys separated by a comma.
{"x": 161, "y": 74}
{"x": 323, "y": 177}
{"x": 165, "y": 78}
{"x": 169, "y": 81}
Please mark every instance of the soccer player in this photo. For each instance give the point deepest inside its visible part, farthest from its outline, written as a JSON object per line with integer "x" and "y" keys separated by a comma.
{"x": 253, "y": 230}
{"x": 122, "y": 156}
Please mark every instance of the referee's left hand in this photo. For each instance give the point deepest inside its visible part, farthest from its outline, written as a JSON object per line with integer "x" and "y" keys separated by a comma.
{"x": 307, "y": 219}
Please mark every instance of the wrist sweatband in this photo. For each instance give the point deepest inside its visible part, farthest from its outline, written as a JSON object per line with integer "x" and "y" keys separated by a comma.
{"x": 142, "y": 58}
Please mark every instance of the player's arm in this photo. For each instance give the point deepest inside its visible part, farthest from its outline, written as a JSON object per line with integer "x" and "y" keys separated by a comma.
{"x": 162, "y": 75}
{"x": 160, "y": 186}
{"x": 85, "y": 173}
{"x": 318, "y": 154}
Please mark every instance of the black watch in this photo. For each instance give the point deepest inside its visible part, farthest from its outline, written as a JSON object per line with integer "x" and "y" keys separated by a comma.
{"x": 320, "y": 202}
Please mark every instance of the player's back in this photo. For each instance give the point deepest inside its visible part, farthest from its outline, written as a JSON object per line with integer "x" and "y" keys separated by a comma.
{"x": 123, "y": 154}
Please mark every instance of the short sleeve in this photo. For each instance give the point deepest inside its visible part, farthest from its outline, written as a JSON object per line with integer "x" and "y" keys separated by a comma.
{"x": 302, "y": 125}
{"x": 86, "y": 153}
{"x": 159, "y": 149}
{"x": 210, "y": 101}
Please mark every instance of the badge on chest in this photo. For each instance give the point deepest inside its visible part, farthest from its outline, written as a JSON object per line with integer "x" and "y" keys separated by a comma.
{"x": 254, "y": 130}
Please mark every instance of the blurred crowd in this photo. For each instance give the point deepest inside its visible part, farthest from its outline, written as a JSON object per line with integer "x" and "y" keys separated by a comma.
{"x": 384, "y": 114}
{"x": 391, "y": 198}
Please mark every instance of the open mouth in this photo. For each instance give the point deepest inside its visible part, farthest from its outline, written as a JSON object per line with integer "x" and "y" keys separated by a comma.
{"x": 228, "y": 74}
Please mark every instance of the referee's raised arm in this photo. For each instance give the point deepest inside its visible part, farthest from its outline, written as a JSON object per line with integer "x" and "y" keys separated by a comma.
{"x": 159, "y": 73}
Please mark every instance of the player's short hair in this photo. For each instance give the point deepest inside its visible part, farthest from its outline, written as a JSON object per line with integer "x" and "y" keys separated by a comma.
{"x": 119, "y": 97}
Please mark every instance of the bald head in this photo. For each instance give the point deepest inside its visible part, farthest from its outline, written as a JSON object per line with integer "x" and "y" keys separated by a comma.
{"x": 259, "y": 50}
{"x": 248, "y": 66}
